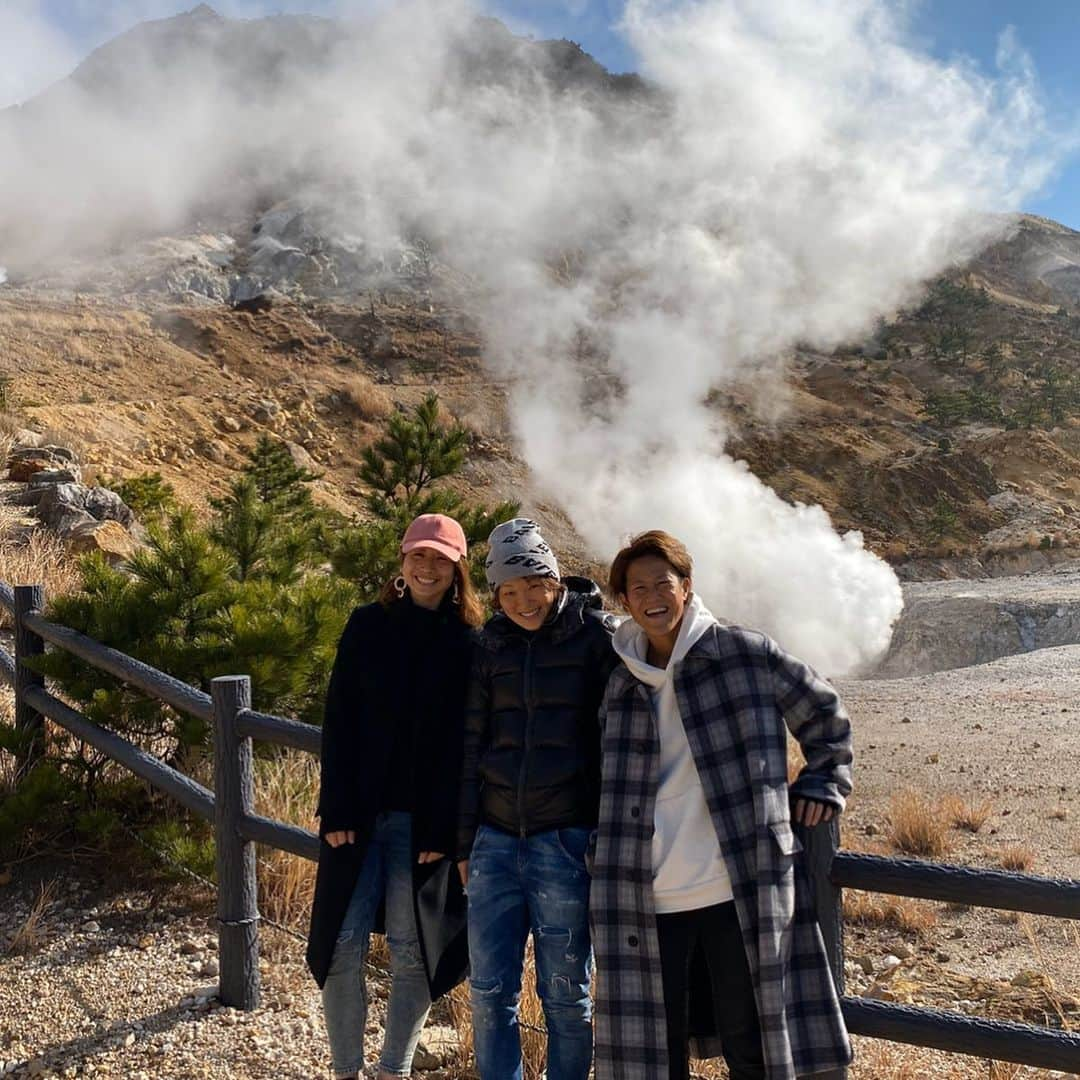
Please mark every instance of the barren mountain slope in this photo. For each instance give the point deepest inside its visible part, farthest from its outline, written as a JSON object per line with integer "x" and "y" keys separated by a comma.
{"x": 950, "y": 438}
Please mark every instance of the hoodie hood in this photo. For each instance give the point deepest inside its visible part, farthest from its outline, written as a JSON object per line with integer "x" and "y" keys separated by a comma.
{"x": 631, "y": 644}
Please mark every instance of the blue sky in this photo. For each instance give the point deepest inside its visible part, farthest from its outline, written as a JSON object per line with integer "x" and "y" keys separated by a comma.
{"x": 45, "y": 38}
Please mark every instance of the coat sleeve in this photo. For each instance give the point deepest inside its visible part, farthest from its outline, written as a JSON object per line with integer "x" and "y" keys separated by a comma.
{"x": 477, "y": 736}
{"x": 342, "y": 734}
{"x": 816, "y": 718}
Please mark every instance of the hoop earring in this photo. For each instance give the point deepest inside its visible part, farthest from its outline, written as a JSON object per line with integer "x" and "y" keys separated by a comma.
{"x": 455, "y": 596}
{"x": 399, "y": 586}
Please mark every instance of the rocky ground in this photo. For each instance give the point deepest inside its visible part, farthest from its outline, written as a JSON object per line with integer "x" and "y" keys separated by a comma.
{"x": 121, "y": 982}
{"x": 1004, "y": 735}
{"x": 117, "y": 978}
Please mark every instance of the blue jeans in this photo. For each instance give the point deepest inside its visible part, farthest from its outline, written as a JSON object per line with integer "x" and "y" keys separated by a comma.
{"x": 536, "y": 884}
{"x": 387, "y": 869}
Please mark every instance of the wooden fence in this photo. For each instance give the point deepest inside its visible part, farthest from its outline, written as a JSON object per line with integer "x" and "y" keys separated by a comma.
{"x": 237, "y": 828}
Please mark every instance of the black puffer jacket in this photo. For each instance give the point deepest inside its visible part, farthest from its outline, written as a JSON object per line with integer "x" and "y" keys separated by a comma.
{"x": 532, "y": 734}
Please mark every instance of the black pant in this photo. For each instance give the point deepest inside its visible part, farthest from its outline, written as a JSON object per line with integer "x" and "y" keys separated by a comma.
{"x": 715, "y": 931}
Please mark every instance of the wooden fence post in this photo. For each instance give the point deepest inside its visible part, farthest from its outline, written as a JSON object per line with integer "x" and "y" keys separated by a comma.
{"x": 234, "y": 795}
{"x": 820, "y": 845}
{"x": 28, "y": 722}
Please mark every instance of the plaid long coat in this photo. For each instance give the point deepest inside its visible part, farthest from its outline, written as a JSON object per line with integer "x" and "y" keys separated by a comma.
{"x": 736, "y": 690}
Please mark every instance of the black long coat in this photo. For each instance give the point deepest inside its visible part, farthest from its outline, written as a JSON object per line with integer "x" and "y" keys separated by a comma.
{"x": 371, "y": 679}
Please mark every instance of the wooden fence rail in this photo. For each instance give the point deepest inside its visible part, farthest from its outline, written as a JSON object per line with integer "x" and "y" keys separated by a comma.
{"x": 230, "y": 806}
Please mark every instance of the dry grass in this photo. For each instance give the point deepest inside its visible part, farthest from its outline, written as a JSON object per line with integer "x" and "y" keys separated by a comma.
{"x": 1028, "y": 926}
{"x": 286, "y": 789}
{"x": 917, "y": 826}
{"x": 52, "y": 436}
{"x": 37, "y": 559}
{"x": 7, "y": 760}
{"x": 30, "y": 936}
{"x": 892, "y": 912}
{"x": 369, "y": 401}
{"x": 965, "y": 814}
{"x": 1017, "y": 857}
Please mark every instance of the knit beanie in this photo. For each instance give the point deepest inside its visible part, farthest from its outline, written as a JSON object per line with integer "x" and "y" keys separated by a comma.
{"x": 518, "y": 550}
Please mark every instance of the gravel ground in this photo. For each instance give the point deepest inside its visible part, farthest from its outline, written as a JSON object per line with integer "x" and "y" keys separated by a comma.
{"x": 1007, "y": 732}
{"x": 119, "y": 979}
{"x": 118, "y": 985}
{"x": 122, "y": 983}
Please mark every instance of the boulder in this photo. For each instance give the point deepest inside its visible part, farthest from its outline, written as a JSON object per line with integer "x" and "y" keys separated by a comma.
{"x": 56, "y": 476}
{"x": 106, "y": 505}
{"x": 301, "y": 458}
{"x": 213, "y": 450}
{"x": 24, "y": 461}
{"x": 60, "y": 502}
{"x": 108, "y": 537}
{"x": 64, "y": 520}
{"x": 61, "y": 452}
{"x": 22, "y": 467}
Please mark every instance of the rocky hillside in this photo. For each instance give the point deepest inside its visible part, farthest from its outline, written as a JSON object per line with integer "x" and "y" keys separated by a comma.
{"x": 951, "y": 438}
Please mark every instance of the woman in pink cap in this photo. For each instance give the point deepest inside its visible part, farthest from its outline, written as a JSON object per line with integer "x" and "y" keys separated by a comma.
{"x": 391, "y": 759}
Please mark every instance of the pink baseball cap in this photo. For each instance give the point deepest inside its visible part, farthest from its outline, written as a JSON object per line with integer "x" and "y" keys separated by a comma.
{"x": 436, "y": 531}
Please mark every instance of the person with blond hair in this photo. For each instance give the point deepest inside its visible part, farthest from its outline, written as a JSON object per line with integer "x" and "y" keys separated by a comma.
{"x": 388, "y": 799}
{"x": 703, "y": 923}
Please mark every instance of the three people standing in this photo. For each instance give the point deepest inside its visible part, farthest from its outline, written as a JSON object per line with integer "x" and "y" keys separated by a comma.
{"x": 671, "y": 777}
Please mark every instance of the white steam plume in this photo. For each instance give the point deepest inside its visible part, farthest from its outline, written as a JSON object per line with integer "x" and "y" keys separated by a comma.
{"x": 797, "y": 171}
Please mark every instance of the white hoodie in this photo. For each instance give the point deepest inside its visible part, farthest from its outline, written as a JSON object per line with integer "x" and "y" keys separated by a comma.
{"x": 688, "y": 869}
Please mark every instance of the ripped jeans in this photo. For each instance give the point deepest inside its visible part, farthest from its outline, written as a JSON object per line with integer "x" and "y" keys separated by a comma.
{"x": 517, "y": 885}
{"x": 387, "y": 868}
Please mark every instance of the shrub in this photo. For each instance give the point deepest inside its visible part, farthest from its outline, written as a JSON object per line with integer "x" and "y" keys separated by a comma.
{"x": 942, "y": 521}
{"x": 148, "y": 494}
{"x": 949, "y": 408}
{"x": 1016, "y": 857}
{"x": 366, "y": 399}
{"x": 916, "y": 825}
{"x": 967, "y": 815}
{"x": 892, "y": 912}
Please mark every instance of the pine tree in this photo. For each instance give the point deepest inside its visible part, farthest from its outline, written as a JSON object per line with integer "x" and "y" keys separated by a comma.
{"x": 404, "y": 468}
{"x": 279, "y": 481}
{"x": 242, "y": 526}
{"x": 148, "y": 495}
{"x": 268, "y": 521}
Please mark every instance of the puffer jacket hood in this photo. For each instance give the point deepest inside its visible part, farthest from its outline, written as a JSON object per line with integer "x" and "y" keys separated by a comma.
{"x": 567, "y": 616}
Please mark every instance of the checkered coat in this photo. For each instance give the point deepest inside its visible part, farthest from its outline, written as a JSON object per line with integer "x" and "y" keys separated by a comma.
{"x": 736, "y": 690}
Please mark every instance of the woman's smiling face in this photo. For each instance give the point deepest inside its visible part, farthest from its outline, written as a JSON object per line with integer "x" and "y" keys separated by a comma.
{"x": 655, "y": 595}
{"x": 527, "y": 601}
{"x": 428, "y": 574}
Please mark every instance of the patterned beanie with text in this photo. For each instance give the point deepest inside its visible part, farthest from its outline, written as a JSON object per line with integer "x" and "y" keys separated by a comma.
{"x": 518, "y": 550}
